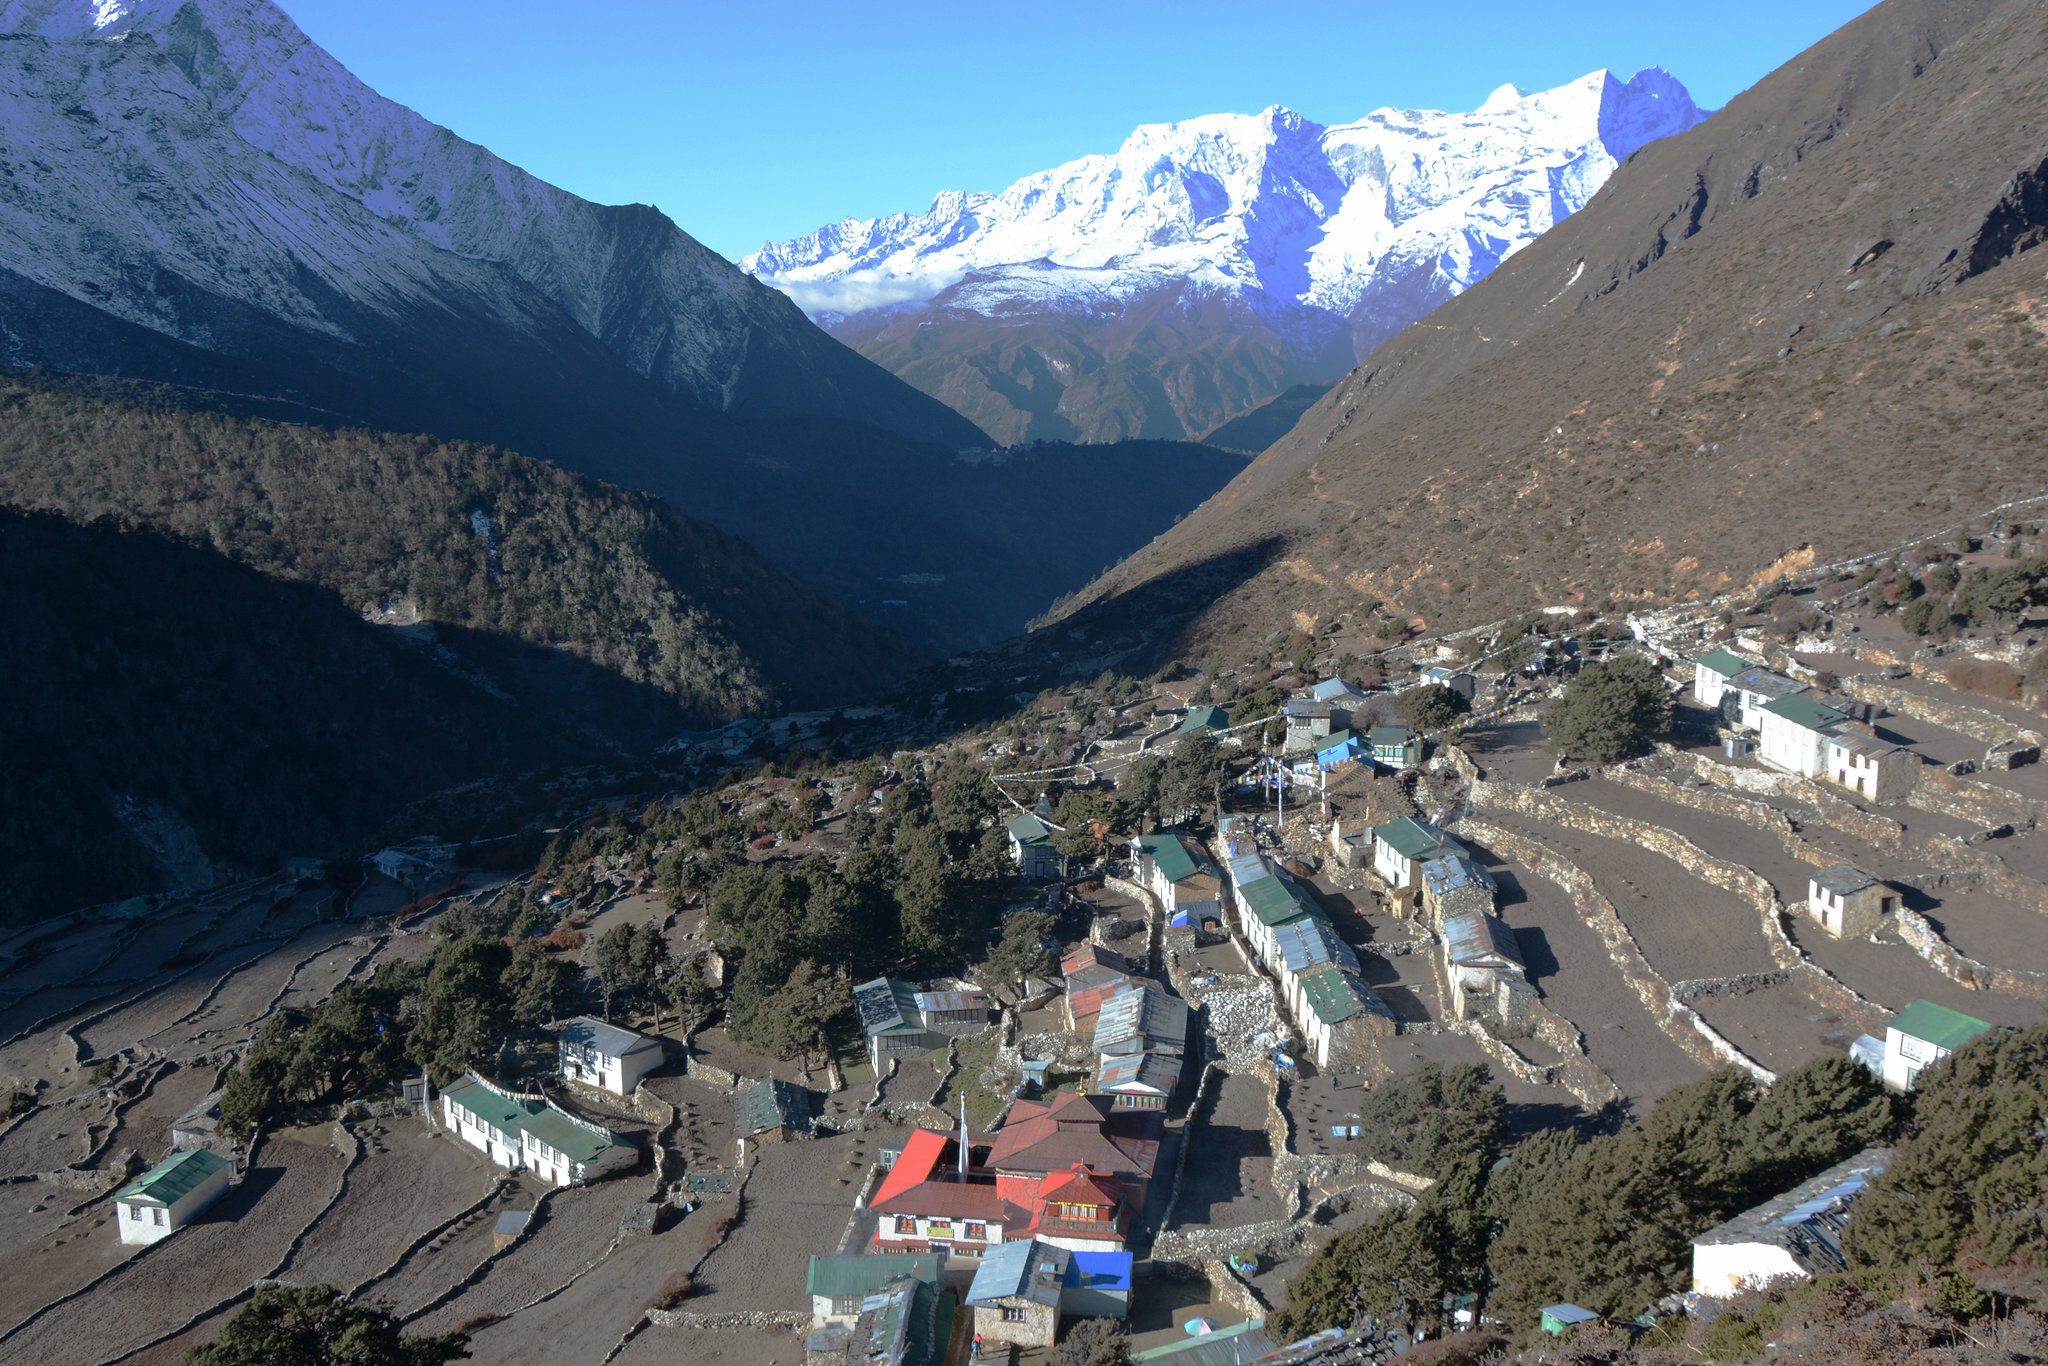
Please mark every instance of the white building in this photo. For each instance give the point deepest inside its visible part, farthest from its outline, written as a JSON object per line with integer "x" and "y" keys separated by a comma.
{"x": 605, "y": 1056}
{"x": 1713, "y": 672}
{"x": 1792, "y": 734}
{"x": 521, "y": 1130}
{"x": 1797, "y": 1235}
{"x": 1755, "y": 689}
{"x": 1848, "y": 902}
{"x": 1180, "y": 875}
{"x": 169, "y": 1195}
{"x": 1921, "y": 1035}
{"x": 1869, "y": 767}
{"x": 1402, "y": 846}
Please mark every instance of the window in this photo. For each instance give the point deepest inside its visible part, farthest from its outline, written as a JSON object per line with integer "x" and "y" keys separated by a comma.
{"x": 938, "y": 1228}
{"x": 905, "y": 1224}
{"x": 973, "y": 1232}
{"x": 1013, "y": 1313}
{"x": 157, "y": 1217}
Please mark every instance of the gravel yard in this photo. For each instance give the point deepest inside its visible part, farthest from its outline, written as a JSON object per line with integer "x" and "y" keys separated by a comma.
{"x": 580, "y": 1225}
{"x": 409, "y": 1181}
{"x": 241, "y": 1237}
{"x": 1568, "y": 964}
{"x": 1315, "y": 1105}
{"x": 798, "y": 1200}
{"x": 1512, "y": 753}
{"x": 1227, "y": 1182}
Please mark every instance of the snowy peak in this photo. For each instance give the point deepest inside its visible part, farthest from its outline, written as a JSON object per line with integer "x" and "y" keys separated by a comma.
{"x": 1331, "y": 237}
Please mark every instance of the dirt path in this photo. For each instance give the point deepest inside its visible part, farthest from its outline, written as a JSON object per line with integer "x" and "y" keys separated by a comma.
{"x": 1228, "y": 1179}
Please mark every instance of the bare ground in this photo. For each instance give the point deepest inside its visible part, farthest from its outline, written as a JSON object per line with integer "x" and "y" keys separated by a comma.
{"x": 580, "y": 1225}
{"x": 1568, "y": 963}
{"x": 409, "y": 1182}
{"x": 1987, "y": 928}
{"x": 1892, "y": 976}
{"x": 712, "y": 1347}
{"x": 592, "y": 1314}
{"x": 1227, "y": 1181}
{"x": 798, "y": 1200}
{"x": 242, "y": 1236}
{"x": 60, "y": 1254}
{"x": 1780, "y": 1026}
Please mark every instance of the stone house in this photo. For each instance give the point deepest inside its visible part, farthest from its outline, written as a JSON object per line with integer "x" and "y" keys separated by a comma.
{"x": 1455, "y": 885}
{"x": 1484, "y": 965}
{"x": 1015, "y": 1295}
{"x": 1309, "y": 722}
{"x": 171, "y": 1194}
{"x": 1869, "y": 767}
{"x": 605, "y": 1056}
{"x": 1847, "y": 902}
{"x": 1921, "y": 1035}
{"x": 772, "y": 1111}
{"x": 1796, "y": 1235}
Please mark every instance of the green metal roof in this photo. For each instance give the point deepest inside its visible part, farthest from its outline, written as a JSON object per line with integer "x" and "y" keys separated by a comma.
{"x": 1333, "y": 994}
{"x": 860, "y": 1274}
{"x": 1410, "y": 838}
{"x": 1171, "y": 854}
{"x": 1203, "y": 718}
{"x": 1801, "y": 711}
{"x": 500, "y": 1111}
{"x": 1938, "y": 1025}
{"x": 771, "y": 1104}
{"x": 1276, "y": 900}
{"x": 1389, "y": 737}
{"x": 1028, "y": 829}
{"x": 565, "y": 1135}
{"x": 1337, "y": 737}
{"x": 1726, "y": 664}
{"x": 174, "y": 1178}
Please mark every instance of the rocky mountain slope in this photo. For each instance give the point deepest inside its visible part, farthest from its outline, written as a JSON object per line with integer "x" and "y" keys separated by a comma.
{"x": 1806, "y": 329}
{"x": 1209, "y": 264}
{"x": 201, "y": 169}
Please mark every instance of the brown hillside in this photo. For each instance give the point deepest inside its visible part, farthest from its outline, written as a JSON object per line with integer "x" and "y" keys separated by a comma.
{"x": 1807, "y": 328}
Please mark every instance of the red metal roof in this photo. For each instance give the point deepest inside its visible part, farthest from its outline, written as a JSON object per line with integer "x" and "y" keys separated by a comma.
{"x": 921, "y": 1153}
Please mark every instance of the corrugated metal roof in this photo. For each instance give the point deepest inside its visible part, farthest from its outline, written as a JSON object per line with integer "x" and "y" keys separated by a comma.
{"x": 1337, "y": 995}
{"x": 174, "y": 1178}
{"x": 840, "y": 1277}
{"x": 1172, "y": 854}
{"x": 1029, "y": 1270}
{"x": 1444, "y": 876}
{"x": 1307, "y": 943}
{"x": 885, "y": 1004}
{"x": 1203, "y": 718}
{"x": 613, "y": 1042}
{"x": 1726, "y": 664}
{"x": 1843, "y": 879}
{"x": 1470, "y": 938}
{"x": 1938, "y": 1025}
{"x": 951, "y": 1002}
{"x": 1028, "y": 829}
{"x": 1803, "y": 711}
{"x": 1414, "y": 839}
{"x": 1239, "y": 1345}
{"x": 1808, "y": 1219}
{"x": 771, "y": 1104}
{"x": 561, "y": 1131}
{"x": 1765, "y": 683}
{"x": 1141, "y": 1016}
{"x": 1249, "y": 867}
{"x": 488, "y": 1104}
{"x": 1144, "y": 1072}
{"x": 1100, "y": 1271}
{"x": 1277, "y": 900}
{"x": 1389, "y": 737}
{"x": 1335, "y": 690}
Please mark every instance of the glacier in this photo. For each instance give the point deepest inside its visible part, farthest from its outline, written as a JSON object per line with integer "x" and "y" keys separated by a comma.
{"x": 1318, "y": 241}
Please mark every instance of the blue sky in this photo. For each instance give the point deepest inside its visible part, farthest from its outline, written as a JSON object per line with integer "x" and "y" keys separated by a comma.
{"x": 746, "y": 122}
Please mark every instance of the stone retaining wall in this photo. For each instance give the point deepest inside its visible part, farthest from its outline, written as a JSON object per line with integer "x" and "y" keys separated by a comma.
{"x": 1988, "y": 727}
{"x": 1741, "y": 984}
{"x": 795, "y": 1320}
{"x": 1679, "y": 1021}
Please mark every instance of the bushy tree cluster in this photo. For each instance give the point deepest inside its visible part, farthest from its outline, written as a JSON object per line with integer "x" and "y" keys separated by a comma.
{"x": 315, "y": 1325}
{"x": 1432, "y": 706}
{"x": 1610, "y": 711}
{"x": 1605, "y": 1222}
{"x": 1433, "y": 1118}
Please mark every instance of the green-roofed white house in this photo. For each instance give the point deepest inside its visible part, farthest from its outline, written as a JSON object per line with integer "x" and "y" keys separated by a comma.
{"x": 519, "y": 1129}
{"x": 1341, "y": 1018}
{"x": 1921, "y": 1035}
{"x": 1712, "y": 672}
{"x": 838, "y": 1284}
{"x": 1395, "y": 746}
{"x": 170, "y": 1195}
{"x": 1203, "y": 720}
{"x": 1792, "y": 733}
{"x": 1180, "y": 875}
{"x": 1031, "y": 848}
{"x": 1402, "y": 846}
{"x": 1268, "y": 903}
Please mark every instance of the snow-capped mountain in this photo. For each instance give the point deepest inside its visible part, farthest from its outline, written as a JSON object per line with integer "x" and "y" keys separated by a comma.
{"x": 199, "y": 174}
{"x": 1208, "y": 264}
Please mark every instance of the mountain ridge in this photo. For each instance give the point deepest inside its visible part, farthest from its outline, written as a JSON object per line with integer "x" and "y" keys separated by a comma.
{"x": 1208, "y": 264}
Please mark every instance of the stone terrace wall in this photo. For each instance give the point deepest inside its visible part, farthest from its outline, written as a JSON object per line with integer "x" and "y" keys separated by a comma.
{"x": 1986, "y": 726}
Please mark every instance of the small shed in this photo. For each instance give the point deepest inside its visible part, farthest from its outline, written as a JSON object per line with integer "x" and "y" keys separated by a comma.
{"x": 772, "y": 1111}
{"x": 1031, "y": 848}
{"x": 510, "y": 1228}
{"x": 1485, "y": 967}
{"x": 1558, "y": 1317}
{"x": 1875, "y": 769}
{"x": 171, "y": 1194}
{"x": 1847, "y": 902}
{"x": 1921, "y": 1035}
{"x": 1457, "y": 680}
{"x": 953, "y": 1013}
{"x": 1455, "y": 885}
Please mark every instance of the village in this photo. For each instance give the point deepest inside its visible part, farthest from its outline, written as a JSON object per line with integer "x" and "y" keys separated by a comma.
{"x": 1152, "y": 1117}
